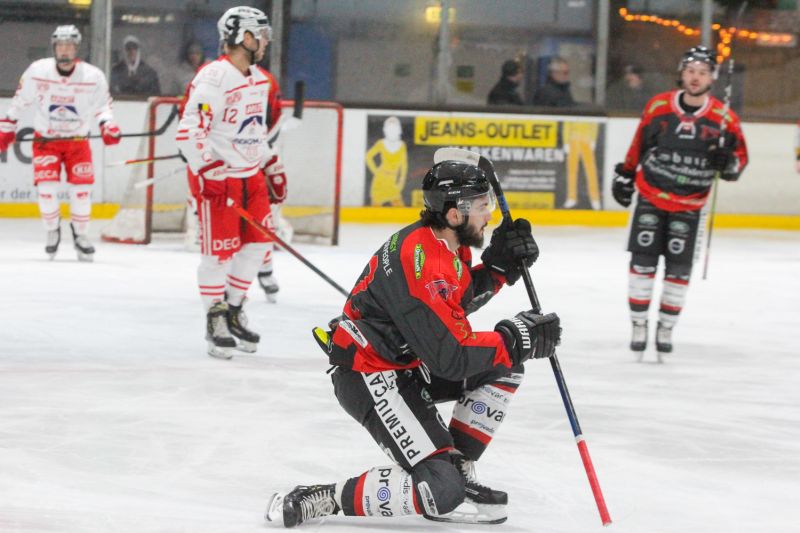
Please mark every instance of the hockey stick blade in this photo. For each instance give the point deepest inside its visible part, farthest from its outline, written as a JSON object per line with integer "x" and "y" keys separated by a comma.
{"x": 299, "y": 98}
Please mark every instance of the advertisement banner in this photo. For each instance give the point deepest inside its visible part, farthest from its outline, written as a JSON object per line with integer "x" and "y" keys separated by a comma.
{"x": 542, "y": 163}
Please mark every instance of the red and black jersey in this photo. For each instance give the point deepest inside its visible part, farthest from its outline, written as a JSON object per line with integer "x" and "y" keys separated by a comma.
{"x": 669, "y": 152}
{"x": 410, "y": 305}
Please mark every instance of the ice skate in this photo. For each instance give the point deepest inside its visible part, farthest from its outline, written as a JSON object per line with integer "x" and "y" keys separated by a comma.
{"x": 482, "y": 505}
{"x": 220, "y": 341}
{"x": 237, "y": 325}
{"x": 300, "y": 505}
{"x": 53, "y": 240}
{"x": 663, "y": 341}
{"x": 639, "y": 338}
{"x": 83, "y": 247}
{"x": 269, "y": 284}
{"x": 569, "y": 204}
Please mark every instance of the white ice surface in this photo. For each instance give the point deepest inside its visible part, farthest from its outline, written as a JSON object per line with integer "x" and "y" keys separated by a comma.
{"x": 113, "y": 419}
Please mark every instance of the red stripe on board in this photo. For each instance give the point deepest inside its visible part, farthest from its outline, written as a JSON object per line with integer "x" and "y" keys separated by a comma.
{"x": 474, "y": 433}
{"x": 358, "y": 504}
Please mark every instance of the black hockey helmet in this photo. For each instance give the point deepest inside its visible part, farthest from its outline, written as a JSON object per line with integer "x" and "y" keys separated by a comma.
{"x": 456, "y": 184}
{"x": 701, "y": 54}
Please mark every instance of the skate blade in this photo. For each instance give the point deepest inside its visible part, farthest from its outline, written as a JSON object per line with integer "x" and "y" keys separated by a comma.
{"x": 247, "y": 347}
{"x": 473, "y": 513}
{"x": 272, "y": 298}
{"x": 274, "y": 512}
{"x": 85, "y": 258}
{"x": 219, "y": 352}
{"x": 51, "y": 256}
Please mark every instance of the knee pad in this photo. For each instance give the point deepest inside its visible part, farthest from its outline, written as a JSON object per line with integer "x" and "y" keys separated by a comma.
{"x": 643, "y": 263}
{"x": 439, "y": 485}
{"x": 676, "y": 270}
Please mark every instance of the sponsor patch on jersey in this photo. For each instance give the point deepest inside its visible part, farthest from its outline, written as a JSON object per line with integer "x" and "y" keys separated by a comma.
{"x": 64, "y": 118}
{"x": 458, "y": 266}
{"x": 254, "y": 109}
{"x": 249, "y": 139}
{"x": 83, "y": 170}
{"x": 212, "y": 75}
{"x": 393, "y": 242}
{"x": 233, "y": 98}
{"x": 686, "y": 130}
{"x": 58, "y": 99}
{"x": 43, "y": 160}
{"x": 419, "y": 260}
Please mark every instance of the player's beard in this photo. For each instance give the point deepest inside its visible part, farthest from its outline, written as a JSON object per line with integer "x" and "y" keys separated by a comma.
{"x": 699, "y": 92}
{"x": 469, "y": 236}
{"x": 64, "y": 60}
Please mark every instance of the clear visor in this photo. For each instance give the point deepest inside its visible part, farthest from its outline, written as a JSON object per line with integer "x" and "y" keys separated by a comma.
{"x": 480, "y": 205}
{"x": 264, "y": 32}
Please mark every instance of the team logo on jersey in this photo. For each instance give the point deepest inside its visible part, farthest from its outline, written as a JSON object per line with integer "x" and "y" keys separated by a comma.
{"x": 707, "y": 132}
{"x": 419, "y": 260}
{"x": 40, "y": 87}
{"x": 232, "y": 99}
{"x": 250, "y": 138}
{"x": 64, "y": 118}
{"x": 440, "y": 288}
{"x": 686, "y": 129}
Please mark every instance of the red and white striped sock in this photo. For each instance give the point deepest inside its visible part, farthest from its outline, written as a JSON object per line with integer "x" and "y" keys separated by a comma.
{"x": 640, "y": 290}
{"x": 244, "y": 267}
{"x": 211, "y": 280}
{"x": 673, "y": 298}
{"x": 49, "y": 205}
{"x": 80, "y": 207}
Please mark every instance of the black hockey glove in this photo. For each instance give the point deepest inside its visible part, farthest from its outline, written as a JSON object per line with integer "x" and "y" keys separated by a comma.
{"x": 530, "y": 334}
{"x": 720, "y": 159}
{"x": 511, "y": 243}
{"x": 622, "y": 188}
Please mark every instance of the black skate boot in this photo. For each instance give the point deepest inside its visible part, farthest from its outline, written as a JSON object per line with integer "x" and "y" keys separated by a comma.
{"x": 270, "y": 285}
{"x": 220, "y": 341}
{"x": 82, "y": 246}
{"x": 482, "y": 505}
{"x": 237, "y": 325}
{"x": 53, "y": 240}
{"x": 639, "y": 337}
{"x": 301, "y": 504}
{"x": 663, "y": 340}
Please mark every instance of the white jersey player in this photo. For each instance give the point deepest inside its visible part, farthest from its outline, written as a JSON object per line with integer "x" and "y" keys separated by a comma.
{"x": 68, "y": 95}
{"x": 223, "y": 136}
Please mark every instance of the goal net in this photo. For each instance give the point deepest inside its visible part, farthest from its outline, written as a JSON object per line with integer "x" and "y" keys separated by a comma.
{"x": 156, "y": 195}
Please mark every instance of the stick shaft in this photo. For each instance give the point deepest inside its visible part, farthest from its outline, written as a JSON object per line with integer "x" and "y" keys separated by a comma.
{"x": 280, "y": 242}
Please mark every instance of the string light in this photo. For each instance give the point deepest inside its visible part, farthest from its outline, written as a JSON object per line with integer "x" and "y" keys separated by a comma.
{"x": 725, "y": 34}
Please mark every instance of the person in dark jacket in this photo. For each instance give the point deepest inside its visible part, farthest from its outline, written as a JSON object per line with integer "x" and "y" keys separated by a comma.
{"x": 555, "y": 92}
{"x": 505, "y": 90}
{"x": 404, "y": 343}
{"x": 132, "y": 75}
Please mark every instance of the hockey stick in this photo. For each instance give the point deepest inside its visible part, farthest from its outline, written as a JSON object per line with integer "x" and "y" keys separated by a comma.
{"x": 149, "y": 181}
{"x": 266, "y": 232}
{"x": 715, "y": 185}
{"x": 142, "y": 161}
{"x": 458, "y": 154}
{"x": 297, "y": 112}
{"x": 153, "y": 133}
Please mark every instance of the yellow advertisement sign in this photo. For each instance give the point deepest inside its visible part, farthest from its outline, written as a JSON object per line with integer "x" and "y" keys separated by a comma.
{"x": 485, "y": 132}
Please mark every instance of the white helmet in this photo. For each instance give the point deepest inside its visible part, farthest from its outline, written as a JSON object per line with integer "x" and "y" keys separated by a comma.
{"x": 237, "y": 20}
{"x": 66, "y": 33}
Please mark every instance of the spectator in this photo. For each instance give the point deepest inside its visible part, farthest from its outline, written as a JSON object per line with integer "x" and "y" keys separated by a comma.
{"x": 132, "y": 75}
{"x": 555, "y": 91}
{"x": 630, "y": 93}
{"x": 193, "y": 58}
{"x": 505, "y": 90}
